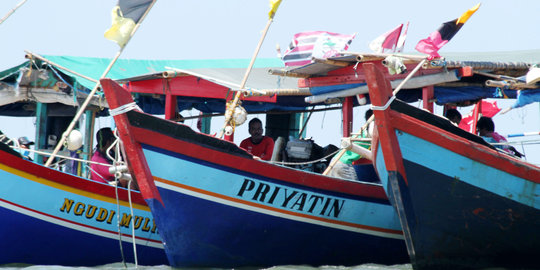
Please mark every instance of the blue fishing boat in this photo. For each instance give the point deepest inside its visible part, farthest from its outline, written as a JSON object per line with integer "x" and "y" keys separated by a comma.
{"x": 462, "y": 203}
{"x": 217, "y": 206}
{"x": 54, "y": 218}
{"x": 50, "y": 215}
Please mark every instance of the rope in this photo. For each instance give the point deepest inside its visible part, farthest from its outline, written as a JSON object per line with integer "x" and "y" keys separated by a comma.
{"x": 118, "y": 226}
{"x": 307, "y": 162}
{"x": 382, "y": 108}
{"x": 124, "y": 108}
{"x": 117, "y": 162}
{"x": 132, "y": 224}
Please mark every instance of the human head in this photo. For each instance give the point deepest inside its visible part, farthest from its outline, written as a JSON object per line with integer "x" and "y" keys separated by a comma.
{"x": 255, "y": 130}
{"x": 104, "y": 137}
{"x": 484, "y": 126}
{"x": 368, "y": 114}
{"x": 24, "y": 141}
{"x": 454, "y": 116}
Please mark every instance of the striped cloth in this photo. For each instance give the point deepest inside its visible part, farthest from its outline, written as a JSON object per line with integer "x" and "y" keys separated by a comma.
{"x": 318, "y": 44}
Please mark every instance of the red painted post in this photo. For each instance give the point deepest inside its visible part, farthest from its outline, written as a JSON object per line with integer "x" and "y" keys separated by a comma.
{"x": 427, "y": 95}
{"x": 347, "y": 111}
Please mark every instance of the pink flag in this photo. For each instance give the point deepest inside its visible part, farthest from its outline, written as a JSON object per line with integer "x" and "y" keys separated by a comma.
{"x": 387, "y": 40}
{"x": 402, "y": 37}
{"x": 489, "y": 109}
{"x": 321, "y": 44}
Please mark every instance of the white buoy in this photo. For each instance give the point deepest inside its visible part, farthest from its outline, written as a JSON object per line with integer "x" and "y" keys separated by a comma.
{"x": 75, "y": 140}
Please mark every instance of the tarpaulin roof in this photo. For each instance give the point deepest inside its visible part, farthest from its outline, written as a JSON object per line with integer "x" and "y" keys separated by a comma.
{"x": 48, "y": 78}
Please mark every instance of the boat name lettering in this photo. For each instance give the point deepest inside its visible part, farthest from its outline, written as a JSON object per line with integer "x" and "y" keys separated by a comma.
{"x": 290, "y": 199}
{"x": 100, "y": 214}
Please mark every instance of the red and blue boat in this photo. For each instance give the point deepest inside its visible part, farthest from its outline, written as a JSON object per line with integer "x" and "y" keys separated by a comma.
{"x": 51, "y": 217}
{"x": 216, "y": 206}
{"x": 462, "y": 203}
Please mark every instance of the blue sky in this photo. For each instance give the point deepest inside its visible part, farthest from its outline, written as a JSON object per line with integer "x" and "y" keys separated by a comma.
{"x": 205, "y": 29}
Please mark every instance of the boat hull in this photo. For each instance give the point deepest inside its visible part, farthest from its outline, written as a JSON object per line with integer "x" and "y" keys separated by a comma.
{"x": 53, "y": 218}
{"x": 230, "y": 218}
{"x": 462, "y": 204}
{"x": 216, "y": 206}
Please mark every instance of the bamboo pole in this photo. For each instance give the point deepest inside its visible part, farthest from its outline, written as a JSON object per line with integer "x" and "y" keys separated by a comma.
{"x": 87, "y": 101}
{"x": 230, "y": 109}
{"x": 371, "y": 118}
{"x": 29, "y": 55}
{"x": 12, "y": 11}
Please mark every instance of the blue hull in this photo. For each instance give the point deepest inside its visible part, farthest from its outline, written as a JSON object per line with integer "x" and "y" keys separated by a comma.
{"x": 207, "y": 221}
{"x": 32, "y": 241}
{"x": 208, "y": 234}
{"x": 216, "y": 206}
{"x": 458, "y": 218}
{"x": 458, "y": 213}
{"x": 52, "y": 218}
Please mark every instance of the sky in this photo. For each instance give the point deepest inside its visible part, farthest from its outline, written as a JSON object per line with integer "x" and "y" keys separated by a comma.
{"x": 214, "y": 29}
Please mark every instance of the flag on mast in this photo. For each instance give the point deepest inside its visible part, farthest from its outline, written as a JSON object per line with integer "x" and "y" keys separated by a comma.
{"x": 274, "y": 4}
{"x": 387, "y": 40}
{"x": 320, "y": 44}
{"x": 125, "y": 16}
{"x": 446, "y": 31}
{"x": 402, "y": 37}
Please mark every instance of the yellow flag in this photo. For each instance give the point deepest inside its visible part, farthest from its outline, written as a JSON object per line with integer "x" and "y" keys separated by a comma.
{"x": 274, "y": 4}
{"x": 465, "y": 16}
{"x": 121, "y": 28}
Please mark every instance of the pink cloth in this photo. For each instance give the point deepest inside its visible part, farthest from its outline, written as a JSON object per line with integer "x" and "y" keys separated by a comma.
{"x": 99, "y": 172}
{"x": 498, "y": 137}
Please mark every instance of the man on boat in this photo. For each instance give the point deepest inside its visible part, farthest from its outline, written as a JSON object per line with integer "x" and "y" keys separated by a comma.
{"x": 486, "y": 129}
{"x": 258, "y": 145}
{"x": 454, "y": 116}
{"x": 24, "y": 144}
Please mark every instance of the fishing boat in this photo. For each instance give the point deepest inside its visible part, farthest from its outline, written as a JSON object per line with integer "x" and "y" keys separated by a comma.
{"x": 217, "y": 206}
{"x": 52, "y": 215}
{"x": 462, "y": 203}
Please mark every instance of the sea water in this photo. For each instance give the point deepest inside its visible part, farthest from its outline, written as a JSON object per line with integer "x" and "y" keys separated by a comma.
{"x": 120, "y": 266}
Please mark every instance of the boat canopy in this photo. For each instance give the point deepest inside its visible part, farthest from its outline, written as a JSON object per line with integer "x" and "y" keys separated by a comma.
{"x": 456, "y": 78}
{"x": 65, "y": 81}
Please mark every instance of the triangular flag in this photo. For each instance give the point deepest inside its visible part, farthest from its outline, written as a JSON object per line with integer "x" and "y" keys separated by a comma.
{"x": 439, "y": 38}
{"x": 387, "y": 40}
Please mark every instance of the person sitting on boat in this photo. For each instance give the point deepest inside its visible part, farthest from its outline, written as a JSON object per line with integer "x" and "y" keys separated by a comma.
{"x": 24, "y": 144}
{"x": 343, "y": 168}
{"x": 486, "y": 129}
{"x": 258, "y": 145}
{"x": 454, "y": 116}
{"x": 99, "y": 172}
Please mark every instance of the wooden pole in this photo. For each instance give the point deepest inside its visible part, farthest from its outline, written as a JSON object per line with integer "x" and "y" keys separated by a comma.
{"x": 30, "y": 55}
{"x": 91, "y": 94}
{"x": 12, "y": 11}
{"x": 398, "y": 88}
{"x": 230, "y": 110}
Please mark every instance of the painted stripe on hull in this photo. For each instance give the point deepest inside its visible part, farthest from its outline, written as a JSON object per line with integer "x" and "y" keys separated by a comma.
{"x": 461, "y": 225}
{"x": 386, "y": 233}
{"x": 79, "y": 226}
{"x": 30, "y": 240}
{"x": 469, "y": 171}
{"x": 207, "y": 234}
{"x": 472, "y": 227}
{"x": 224, "y": 187}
